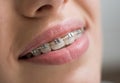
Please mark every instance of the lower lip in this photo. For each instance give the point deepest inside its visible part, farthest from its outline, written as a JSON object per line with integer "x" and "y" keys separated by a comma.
{"x": 64, "y": 55}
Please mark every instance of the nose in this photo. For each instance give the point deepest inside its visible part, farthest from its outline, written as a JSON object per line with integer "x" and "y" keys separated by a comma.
{"x": 39, "y": 8}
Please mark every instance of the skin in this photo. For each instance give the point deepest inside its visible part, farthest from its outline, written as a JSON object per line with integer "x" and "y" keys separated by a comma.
{"x": 21, "y": 21}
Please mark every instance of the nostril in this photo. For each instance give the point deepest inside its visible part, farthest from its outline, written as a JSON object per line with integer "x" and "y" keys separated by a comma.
{"x": 39, "y": 9}
{"x": 44, "y": 8}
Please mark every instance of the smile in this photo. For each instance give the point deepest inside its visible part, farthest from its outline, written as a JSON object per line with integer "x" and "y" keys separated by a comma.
{"x": 55, "y": 44}
{"x": 60, "y": 50}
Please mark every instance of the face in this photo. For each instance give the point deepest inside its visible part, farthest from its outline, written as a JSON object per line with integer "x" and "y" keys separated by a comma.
{"x": 50, "y": 41}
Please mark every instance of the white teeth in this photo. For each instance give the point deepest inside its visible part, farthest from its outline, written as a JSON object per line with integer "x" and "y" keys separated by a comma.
{"x": 36, "y": 52}
{"x": 45, "y": 48}
{"x": 57, "y": 44}
{"x": 77, "y": 33}
{"x": 69, "y": 38}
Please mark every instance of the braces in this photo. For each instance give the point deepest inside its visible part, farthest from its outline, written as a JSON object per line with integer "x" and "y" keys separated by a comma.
{"x": 59, "y": 43}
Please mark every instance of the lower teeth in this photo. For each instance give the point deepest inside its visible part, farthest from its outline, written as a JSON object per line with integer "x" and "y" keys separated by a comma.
{"x": 55, "y": 45}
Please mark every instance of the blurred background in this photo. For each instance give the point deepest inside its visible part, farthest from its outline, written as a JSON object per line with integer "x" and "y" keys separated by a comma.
{"x": 111, "y": 40}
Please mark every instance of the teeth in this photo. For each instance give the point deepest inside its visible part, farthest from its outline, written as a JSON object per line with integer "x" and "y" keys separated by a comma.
{"x": 69, "y": 38}
{"x": 78, "y": 33}
{"x": 29, "y": 55}
{"x": 45, "y": 48}
{"x": 57, "y": 44}
{"x": 36, "y": 52}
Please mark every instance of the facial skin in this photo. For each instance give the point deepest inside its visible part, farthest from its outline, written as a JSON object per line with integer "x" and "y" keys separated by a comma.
{"x": 21, "y": 21}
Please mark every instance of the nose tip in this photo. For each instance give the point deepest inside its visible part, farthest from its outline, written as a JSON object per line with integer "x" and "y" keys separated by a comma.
{"x": 39, "y": 8}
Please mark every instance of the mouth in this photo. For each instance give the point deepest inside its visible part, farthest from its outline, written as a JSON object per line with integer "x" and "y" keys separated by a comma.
{"x": 59, "y": 44}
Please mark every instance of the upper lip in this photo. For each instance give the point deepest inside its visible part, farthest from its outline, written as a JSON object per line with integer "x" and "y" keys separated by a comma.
{"x": 52, "y": 32}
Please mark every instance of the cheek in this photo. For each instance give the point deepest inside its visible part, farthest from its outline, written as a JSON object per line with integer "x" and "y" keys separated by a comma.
{"x": 89, "y": 3}
{"x": 91, "y": 7}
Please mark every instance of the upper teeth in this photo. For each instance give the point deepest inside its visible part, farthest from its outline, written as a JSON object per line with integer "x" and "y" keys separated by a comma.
{"x": 69, "y": 38}
{"x": 45, "y": 48}
{"x": 58, "y": 43}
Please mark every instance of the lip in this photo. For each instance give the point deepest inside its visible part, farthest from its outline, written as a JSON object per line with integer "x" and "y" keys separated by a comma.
{"x": 63, "y": 55}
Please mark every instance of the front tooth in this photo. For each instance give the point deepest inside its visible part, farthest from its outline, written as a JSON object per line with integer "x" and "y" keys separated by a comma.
{"x": 36, "y": 52}
{"x": 57, "y": 44}
{"x": 45, "y": 48}
{"x": 69, "y": 38}
{"x": 77, "y": 33}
